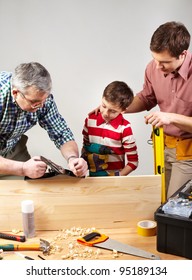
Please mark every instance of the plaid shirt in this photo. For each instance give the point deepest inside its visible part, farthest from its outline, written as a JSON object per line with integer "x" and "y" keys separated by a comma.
{"x": 14, "y": 122}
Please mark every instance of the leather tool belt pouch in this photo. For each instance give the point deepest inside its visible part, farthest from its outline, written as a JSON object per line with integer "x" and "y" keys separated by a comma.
{"x": 183, "y": 147}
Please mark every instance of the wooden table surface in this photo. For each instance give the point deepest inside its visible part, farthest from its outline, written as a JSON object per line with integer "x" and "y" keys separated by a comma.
{"x": 64, "y": 246}
{"x": 66, "y": 207}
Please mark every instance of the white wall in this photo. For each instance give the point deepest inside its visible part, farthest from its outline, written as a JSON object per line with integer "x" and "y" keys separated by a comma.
{"x": 85, "y": 45}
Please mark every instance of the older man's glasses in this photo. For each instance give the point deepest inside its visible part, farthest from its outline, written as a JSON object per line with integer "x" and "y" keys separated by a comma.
{"x": 33, "y": 104}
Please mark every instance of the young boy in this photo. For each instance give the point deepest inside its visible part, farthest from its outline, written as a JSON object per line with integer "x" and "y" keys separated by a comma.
{"x": 108, "y": 143}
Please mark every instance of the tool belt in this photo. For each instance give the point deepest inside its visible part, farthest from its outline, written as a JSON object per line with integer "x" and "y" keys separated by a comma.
{"x": 183, "y": 146}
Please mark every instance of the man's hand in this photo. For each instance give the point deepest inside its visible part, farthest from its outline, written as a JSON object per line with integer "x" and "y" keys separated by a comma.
{"x": 95, "y": 111}
{"x": 34, "y": 168}
{"x": 158, "y": 119}
{"x": 78, "y": 166}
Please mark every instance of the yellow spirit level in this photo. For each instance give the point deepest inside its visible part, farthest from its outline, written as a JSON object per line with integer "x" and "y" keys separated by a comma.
{"x": 159, "y": 163}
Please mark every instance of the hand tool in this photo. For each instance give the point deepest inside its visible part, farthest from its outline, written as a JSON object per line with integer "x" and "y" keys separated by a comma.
{"x": 1, "y": 254}
{"x": 41, "y": 257}
{"x": 54, "y": 169}
{"x": 14, "y": 237}
{"x": 42, "y": 246}
{"x": 23, "y": 256}
{"x": 159, "y": 162}
{"x": 186, "y": 190}
{"x": 102, "y": 241}
{"x": 57, "y": 168}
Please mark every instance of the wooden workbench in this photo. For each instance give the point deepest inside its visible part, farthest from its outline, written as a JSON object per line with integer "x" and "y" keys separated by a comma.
{"x": 111, "y": 205}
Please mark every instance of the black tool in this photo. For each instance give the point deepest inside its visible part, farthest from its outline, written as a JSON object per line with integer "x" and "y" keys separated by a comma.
{"x": 57, "y": 168}
{"x": 186, "y": 191}
{"x": 54, "y": 169}
{"x": 23, "y": 256}
{"x": 41, "y": 257}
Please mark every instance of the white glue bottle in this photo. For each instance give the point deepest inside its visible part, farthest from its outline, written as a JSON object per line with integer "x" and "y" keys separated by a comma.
{"x": 27, "y": 208}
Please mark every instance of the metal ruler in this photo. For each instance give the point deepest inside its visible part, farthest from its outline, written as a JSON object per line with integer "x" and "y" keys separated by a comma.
{"x": 159, "y": 161}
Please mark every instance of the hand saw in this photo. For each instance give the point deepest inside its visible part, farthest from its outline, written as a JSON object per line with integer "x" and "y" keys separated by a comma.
{"x": 102, "y": 241}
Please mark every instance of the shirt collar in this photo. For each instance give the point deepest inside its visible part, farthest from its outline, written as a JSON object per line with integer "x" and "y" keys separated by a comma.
{"x": 115, "y": 122}
{"x": 185, "y": 67}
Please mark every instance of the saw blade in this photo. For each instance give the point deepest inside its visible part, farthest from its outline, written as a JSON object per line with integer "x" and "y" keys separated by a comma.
{"x": 111, "y": 244}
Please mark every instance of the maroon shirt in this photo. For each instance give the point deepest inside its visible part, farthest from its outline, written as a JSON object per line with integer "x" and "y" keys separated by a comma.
{"x": 172, "y": 93}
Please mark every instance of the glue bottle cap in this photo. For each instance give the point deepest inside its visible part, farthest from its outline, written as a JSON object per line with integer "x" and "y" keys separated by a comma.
{"x": 27, "y": 206}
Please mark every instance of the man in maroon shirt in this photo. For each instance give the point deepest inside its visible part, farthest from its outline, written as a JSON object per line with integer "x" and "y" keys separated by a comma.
{"x": 168, "y": 84}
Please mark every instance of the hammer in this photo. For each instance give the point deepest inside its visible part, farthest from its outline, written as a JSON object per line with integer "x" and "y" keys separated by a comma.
{"x": 43, "y": 246}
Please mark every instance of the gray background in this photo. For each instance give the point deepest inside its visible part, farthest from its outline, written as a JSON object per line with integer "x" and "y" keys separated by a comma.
{"x": 85, "y": 45}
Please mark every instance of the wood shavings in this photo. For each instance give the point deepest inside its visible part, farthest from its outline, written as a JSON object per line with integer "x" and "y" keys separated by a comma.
{"x": 80, "y": 253}
{"x": 115, "y": 254}
{"x": 15, "y": 231}
{"x": 66, "y": 242}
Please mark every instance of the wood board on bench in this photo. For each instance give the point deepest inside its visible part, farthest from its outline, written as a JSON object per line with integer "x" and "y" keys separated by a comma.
{"x": 62, "y": 202}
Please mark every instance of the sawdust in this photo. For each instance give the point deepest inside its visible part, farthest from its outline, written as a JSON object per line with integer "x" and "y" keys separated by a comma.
{"x": 66, "y": 246}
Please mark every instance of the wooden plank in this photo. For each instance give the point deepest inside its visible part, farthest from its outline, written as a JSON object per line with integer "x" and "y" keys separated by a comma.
{"x": 63, "y": 202}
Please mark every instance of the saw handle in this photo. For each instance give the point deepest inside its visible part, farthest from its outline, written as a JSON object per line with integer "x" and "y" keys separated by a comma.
{"x": 92, "y": 238}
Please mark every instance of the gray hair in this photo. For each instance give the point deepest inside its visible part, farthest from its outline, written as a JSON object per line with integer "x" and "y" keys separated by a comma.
{"x": 32, "y": 74}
